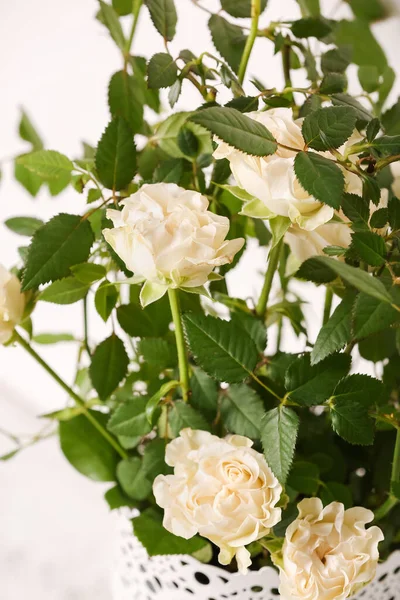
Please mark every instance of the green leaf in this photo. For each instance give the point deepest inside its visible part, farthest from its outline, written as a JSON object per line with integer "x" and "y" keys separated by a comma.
{"x": 167, "y": 134}
{"x": 220, "y": 348}
{"x": 362, "y": 113}
{"x": 355, "y": 277}
{"x": 379, "y": 218}
{"x": 65, "y": 291}
{"x": 29, "y": 180}
{"x": 336, "y": 333}
{"x": 162, "y": 71}
{"x": 370, "y": 247}
{"x": 125, "y": 100}
{"x": 359, "y": 388}
{"x": 116, "y": 155}
{"x": 154, "y": 460}
{"x": 28, "y": 132}
{"x": 109, "y": 366}
{"x": 240, "y": 9}
{"x": 109, "y": 17}
{"x": 204, "y": 395}
{"x": 304, "y": 478}
{"x": 152, "y": 321}
{"x": 394, "y": 213}
{"x": 320, "y": 177}
{"x": 242, "y": 411}
{"x": 278, "y": 435}
{"x": 164, "y": 17}
{"x": 237, "y": 129}
{"x": 372, "y": 10}
{"x": 334, "y": 61}
{"x": 47, "y": 164}
{"x": 228, "y": 40}
{"x": 158, "y": 541}
{"x": 132, "y": 478}
{"x": 368, "y": 76}
{"x": 85, "y": 448}
{"x": 105, "y": 299}
{"x": 158, "y": 353}
{"x": 336, "y": 492}
{"x": 387, "y": 144}
{"x": 372, "y": 315}
{"x": 183, "y": 415}
{"x": 188, "y": 142}
{"x": 365, "y": 49}
{"x": 123, "y": 7}
{"x": 311, "y": 27}
{"x": 391, "y": 119}
{"x": 254, "y": 327}
{"x": 116, "y": 499}
{"x": 23, "y": 225}
{"x": 129, "y": 419}
{"x": 311, "y": 385}
{"x": 169, "y": 171}
{"x": 279, "y": 226}
{"x": 352, "y": 423}
{"x": 88, "y": 272}
{"x": 53, "y": 338}
{"x": 329, "y": 127}
{"x": 61, "y": 243}
{"x": 333, "y": 83}
{"x": 357, "y": 210}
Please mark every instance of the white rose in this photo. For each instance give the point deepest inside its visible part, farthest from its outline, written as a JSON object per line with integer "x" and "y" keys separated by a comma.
{"x": 396, "y": 183}
{"x": 166, "y": 235}
{"x": 328, "y": 554}
{"x": 304, "y": 244}
{"x": 272, "y": 179}
{"x": 222, "y": 489}
{"x": 12, "y": 304}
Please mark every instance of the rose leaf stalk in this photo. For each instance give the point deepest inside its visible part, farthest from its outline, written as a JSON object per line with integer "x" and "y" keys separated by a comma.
{"x": 392, "y": 500}
{"x": 180, "y": 343}
{"x": 77, "y": 399}
{"x": 273, "y": 260}
{"x": 255, "y": 16}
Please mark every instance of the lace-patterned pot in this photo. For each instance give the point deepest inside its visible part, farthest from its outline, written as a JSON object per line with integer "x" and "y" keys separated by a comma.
{"x": 138, "y": 577}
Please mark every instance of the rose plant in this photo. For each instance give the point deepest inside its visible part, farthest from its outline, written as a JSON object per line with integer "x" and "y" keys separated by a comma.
{"x": 231, "y": 449}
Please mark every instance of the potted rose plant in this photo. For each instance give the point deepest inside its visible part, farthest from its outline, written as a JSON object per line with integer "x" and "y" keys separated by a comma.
{"x": 227, "y": 449}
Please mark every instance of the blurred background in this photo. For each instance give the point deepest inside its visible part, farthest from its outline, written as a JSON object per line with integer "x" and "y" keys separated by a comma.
{"x": 56, "y": 533}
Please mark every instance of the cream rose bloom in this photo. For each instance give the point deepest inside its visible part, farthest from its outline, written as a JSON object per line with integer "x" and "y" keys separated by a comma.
{"x": 222, "y": 489}
{"x": 272, "y": 179}
{"x": 166, "y": 236}
{"x": 328, "y": 554}
{"x": 12, "y": 304}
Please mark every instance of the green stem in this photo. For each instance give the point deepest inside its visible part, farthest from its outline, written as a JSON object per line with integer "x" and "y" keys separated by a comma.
{"x": 391, "y": 501}
{"x": 327, "y": 305}
{"x": 180, "y": 343}
{"x": 137, "y": 5}
{"x": 78, "y": 400}
{"x": 85, "y": 326}
{"x": 272, "y": 266}
{"x": 255, "y": 16}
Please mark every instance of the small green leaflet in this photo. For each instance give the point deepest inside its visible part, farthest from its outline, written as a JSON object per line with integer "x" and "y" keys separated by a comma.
{"x": 105, "y": 299}
{"x": 132, "y": 478}
{"x": 329, "y": 127}
{"x": 320, "y": 177}
{"x": 116, "y": 155}
{"x": 65, "y": 291}
{"x": 352, "y": 423}
{"x": 162, "y": 71}
{"x": 88, "y": 272}
{"x": 370, "y": 247}
{"x": 84, "y": 447}
{"x": 183, "y": 415}
{"x": 154, "y": 401}
{"x": 204, "y": 395}
{"x": 336, "y": 333}
{"x": 58, "y": 245}
{"x": 109, "y": 366}
{"x": 311, "y": 385}
{"x": 28, "y": 132}
{"x": 125, "y": 101}
{"x": 241, "y": 9}
{"x": 129, "y": 419}
{"x": 47, "y": 164}
{"x": 278, "y": 435}
{"x": 372, "y": 315}
{"x": 228, "y": 39}
{"x": 26, "y": 226}
{"x": 164, "y": 17}
{"x": 237, "y": 129}
{"x": 221, "y": 348}
{"x": 109, "y": 17}
{"x": 242, "y": 411}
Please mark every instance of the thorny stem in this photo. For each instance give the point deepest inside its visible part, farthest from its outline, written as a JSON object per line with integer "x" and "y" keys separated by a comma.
{"x": 272, "y": 266}
{"x": 255, "y": 16}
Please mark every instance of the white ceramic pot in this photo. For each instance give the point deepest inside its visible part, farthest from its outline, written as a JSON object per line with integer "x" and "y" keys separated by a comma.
{"x": 138, "y": 577}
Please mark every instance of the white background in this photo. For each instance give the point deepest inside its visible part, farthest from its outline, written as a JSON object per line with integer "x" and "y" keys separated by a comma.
{"x": 56, "y": 535}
